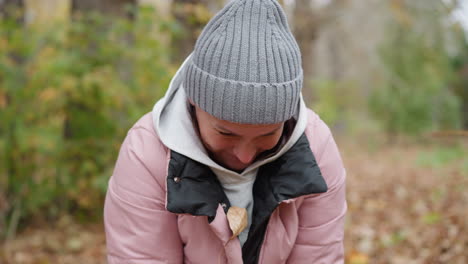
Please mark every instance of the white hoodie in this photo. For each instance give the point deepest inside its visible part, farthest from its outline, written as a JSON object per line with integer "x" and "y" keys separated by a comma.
{"x": 173, "y": 124}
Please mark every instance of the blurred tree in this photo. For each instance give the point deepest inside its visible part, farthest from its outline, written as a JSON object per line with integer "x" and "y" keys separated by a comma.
{"x": 192, "y": 15}
{"x": 309, "y": 17}
{"x": 8, "y": 6}
{"x": 416, "y": 93}
{"x": 42, "y": 13}
{"x": 306, "y": 23}
{"x": 5, "y": 3}
{"x": 114, "y": 7}
{"x": 460, "y": 63}
{"x": 66, "y": 104}
{"x": 162, "y": 7}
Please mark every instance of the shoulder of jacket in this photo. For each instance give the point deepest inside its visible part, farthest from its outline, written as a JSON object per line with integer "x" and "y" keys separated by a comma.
{"x": 318, "y": 133}
{"x": 325, "y": 150}
{"x": 143, "y": 141}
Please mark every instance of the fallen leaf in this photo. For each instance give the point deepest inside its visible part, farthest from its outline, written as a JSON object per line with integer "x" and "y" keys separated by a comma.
{"x": 75, "y": 244}
{"x": 237, "y": 218}
{"x": 358, "y": 258}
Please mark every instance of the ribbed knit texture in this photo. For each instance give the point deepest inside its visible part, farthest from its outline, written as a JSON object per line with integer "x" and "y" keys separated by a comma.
{"x": 246, "y": 65}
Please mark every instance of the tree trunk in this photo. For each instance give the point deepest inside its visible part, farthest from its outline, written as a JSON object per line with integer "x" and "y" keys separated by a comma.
{"x": 307, "y": 21}
{"x": 113, "y": 7}
{"x": 306, "y": 29}
{"x": 6, "y": 3}
{"x": 192, "y": 15}
{"x": 7, "y": 8}
{"x": 42, "y": 12}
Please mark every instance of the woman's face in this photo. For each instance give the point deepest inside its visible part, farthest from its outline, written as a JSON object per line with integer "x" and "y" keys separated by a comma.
{"x": 233, "y": 145}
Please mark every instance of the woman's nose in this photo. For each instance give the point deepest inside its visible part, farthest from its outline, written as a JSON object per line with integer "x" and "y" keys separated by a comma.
{"x": 245, "y": 153}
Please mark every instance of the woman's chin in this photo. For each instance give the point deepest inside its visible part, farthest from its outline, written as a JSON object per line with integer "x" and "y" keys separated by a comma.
{"x": 230, "y": 163}
{"x": 235, "y": 166}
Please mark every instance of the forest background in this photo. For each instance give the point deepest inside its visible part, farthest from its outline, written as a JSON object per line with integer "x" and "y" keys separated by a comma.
{"x": 389, "y": 77}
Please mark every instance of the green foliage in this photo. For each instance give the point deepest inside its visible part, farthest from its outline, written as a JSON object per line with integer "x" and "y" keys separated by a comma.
{"x": 416, "y": 95}
{"x": 460, "y": 63}
{"x": 432, "y": 218}
{"x": 68, "y": 95}
{"x": 327, "y": 106}
{"x": 442, "y": 156}
{"x": 337, "y": 102}
{"x": 394, "y": 238}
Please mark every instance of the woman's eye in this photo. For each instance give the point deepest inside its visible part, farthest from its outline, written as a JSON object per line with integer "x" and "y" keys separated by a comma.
{"x": 225, "y": 133}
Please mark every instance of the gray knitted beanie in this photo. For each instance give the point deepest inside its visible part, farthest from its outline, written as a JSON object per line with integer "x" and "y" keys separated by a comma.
{"x": 246, "y": 65}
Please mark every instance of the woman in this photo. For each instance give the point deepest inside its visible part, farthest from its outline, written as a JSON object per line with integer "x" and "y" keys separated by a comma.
{"x": 230, "y": 166}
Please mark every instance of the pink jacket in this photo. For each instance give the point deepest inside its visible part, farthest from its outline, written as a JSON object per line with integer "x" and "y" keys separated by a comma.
{"x": 158, "y": 211}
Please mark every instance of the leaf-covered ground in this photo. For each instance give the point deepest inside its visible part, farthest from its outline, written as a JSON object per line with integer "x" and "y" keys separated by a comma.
{"x": 408, "y": 203}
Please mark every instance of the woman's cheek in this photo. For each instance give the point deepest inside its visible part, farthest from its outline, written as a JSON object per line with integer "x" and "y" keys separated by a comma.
{"x": 219, "y": 142}
{"x": 268, "y": 143}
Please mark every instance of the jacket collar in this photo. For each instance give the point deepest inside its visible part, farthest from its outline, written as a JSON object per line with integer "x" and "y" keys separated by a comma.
{"x": 192, "y": 188}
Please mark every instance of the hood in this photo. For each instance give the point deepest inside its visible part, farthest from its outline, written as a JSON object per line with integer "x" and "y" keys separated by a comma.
{"x": 173, "y": 124}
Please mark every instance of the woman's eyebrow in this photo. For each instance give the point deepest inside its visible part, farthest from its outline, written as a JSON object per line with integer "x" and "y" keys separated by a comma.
{"x": 224, "y": 130}
{"x": 272, "y": 132}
